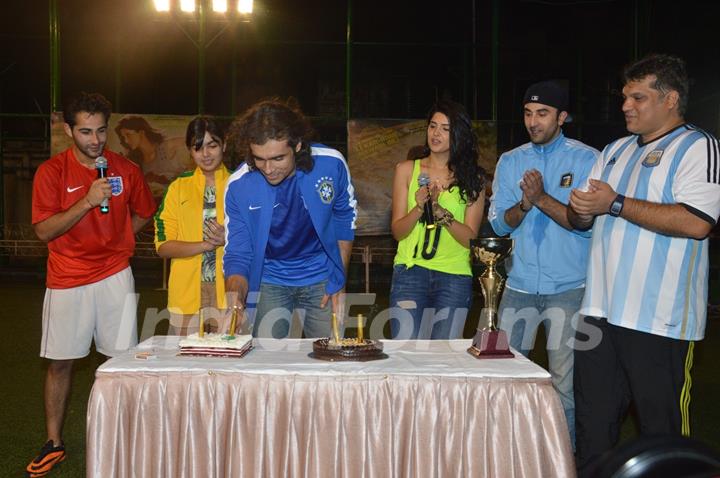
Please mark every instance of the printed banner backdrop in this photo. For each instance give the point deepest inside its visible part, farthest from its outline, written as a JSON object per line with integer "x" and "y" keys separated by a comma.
{"x": 155, "y": 142}
{"x": 376, "y": 146}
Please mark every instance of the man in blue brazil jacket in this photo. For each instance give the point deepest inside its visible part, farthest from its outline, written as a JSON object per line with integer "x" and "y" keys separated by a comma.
{"x": 290, "y": 214}
{"x": 546, "y": 272}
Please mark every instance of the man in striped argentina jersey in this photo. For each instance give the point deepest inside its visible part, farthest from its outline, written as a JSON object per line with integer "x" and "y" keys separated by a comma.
{"x": 654, "y": 196}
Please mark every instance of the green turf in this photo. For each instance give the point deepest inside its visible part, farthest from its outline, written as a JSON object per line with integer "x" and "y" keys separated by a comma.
{"x": 22, "y": 426}
{"x": 22, "y": 430}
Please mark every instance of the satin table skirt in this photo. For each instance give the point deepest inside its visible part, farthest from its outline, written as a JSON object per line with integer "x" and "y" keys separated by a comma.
{"x": 429, "y": 410}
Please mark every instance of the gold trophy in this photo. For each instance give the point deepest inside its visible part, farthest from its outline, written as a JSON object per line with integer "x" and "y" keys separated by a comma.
{"x": 489, "y": 342}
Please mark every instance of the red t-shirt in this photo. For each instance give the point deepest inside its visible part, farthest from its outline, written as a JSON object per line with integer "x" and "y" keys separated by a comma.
{"x": 98, "y": 245}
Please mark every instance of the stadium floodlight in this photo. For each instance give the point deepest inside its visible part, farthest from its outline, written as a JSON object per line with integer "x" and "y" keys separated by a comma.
{"x": 220, "y": 6}
{"x": 245, "y": 6}
{"x": 162, "y": 5}
{"x": 187, "y": 6}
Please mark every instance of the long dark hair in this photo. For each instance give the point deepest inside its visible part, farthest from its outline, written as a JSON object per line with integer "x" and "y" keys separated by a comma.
{"x": 196, "y": 129}
{"x": 272, "y": 119}
{"x": 468, "y": 175}
{"x": 137, "y": 123}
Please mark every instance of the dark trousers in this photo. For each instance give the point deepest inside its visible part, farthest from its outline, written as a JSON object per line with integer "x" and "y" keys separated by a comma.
{"x": 627, "y": 365}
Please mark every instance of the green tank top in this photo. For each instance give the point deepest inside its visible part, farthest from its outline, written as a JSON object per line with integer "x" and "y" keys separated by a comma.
{"x": 451, "y": 256}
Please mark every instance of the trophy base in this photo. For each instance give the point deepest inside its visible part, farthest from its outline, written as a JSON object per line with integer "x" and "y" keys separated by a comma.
{"x": 490, "y": 344}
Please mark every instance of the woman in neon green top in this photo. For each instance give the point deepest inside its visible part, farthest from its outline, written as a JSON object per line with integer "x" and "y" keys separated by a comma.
{"x": 431, "y": 289}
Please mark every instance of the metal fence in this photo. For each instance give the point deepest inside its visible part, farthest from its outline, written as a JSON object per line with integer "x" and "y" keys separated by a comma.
{"x": 19, "y": 240}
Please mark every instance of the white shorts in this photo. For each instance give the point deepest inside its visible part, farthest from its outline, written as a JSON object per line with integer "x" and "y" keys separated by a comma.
{"x": 105, "y": 310}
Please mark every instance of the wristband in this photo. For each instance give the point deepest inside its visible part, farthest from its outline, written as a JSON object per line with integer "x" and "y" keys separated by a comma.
{"x": 446, "y": 219}
{"x": 520, "y": 203}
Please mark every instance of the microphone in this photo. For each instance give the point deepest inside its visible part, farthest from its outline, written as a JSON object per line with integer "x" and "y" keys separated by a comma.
{"x": 428, "y": 217}
{"x": 101, "y": 166}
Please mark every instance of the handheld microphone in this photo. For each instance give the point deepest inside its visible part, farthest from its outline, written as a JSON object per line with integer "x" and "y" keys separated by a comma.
{"x": 101, "y": 166}
{"x": 428, "y": 217}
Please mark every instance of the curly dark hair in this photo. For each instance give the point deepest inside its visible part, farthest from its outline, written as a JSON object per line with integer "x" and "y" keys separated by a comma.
{"x": 92, "y": 103}
{"x": 272, "y": 119}
{"x": 670, "y": 75}
{"x": 464, "y": 151}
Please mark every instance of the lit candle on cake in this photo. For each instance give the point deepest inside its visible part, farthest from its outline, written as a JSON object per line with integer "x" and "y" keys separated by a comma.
{"x": 335, "y": 329}
{"x": 233, "y": 320}
{"x": 360, "y": 332}
{"x": 201, "y": 330}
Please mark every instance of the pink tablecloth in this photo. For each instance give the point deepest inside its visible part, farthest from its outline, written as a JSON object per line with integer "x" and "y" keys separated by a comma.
{"x": 277, "y": 413}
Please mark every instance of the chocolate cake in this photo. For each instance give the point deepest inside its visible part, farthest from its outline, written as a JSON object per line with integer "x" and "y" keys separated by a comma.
{"x": 348, "y": 350}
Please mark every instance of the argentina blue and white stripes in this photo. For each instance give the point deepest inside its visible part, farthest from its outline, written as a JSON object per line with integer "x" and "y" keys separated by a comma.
{"x": 645, "y": 280}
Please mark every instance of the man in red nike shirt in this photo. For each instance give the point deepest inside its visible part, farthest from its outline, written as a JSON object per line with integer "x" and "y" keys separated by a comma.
{"x": 90, "y": 288}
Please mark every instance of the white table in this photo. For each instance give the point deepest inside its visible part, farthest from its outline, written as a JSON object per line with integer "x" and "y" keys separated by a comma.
{"x": 430, "y": 409}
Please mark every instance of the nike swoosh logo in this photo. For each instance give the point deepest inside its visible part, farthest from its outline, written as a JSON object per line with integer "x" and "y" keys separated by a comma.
{"x": 69, "y": 189}
{"x": 276, "y": 205}
{"x": 183, "y": 202}
{"x": 252, "y": 208}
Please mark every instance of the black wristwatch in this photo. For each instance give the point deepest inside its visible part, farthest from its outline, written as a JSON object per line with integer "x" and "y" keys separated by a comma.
{"x": 616, "y": 206}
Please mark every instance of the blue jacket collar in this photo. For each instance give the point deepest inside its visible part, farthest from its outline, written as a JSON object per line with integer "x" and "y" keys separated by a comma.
{"x": 551, "y": 146}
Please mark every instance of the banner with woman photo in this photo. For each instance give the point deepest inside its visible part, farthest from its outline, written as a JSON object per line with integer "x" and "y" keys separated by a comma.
{"x": 155, "y": 142}
{"x": 376, "y": 146}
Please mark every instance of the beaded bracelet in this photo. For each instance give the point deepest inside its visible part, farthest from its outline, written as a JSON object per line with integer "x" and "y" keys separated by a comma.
{"x": 446, "y": 219}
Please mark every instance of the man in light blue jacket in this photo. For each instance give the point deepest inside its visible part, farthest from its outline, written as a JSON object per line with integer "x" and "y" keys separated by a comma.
{"x": 546, "y": 271}
{"x": 290, "y": 214}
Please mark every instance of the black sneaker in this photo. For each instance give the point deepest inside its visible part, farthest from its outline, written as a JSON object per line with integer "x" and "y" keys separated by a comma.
{"x": 47, "y": 459}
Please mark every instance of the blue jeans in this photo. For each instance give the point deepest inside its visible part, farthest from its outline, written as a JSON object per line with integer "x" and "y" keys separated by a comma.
{"x": 428, "y": 304}
{"x": 275, "y": 308}
{"x": 520, "y": 316}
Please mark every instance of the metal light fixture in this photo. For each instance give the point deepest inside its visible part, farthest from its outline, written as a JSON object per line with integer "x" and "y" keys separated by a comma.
{"x": 220, "y": 6}
{"x": 245, "y": 6}
{"x": 162, "y": 5}
{"x": 195, "y": 20}
{"x": 187, "y": 6}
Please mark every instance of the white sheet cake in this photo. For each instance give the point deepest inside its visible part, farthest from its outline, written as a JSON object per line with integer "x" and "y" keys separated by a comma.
{"x": 216, "y": 345}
